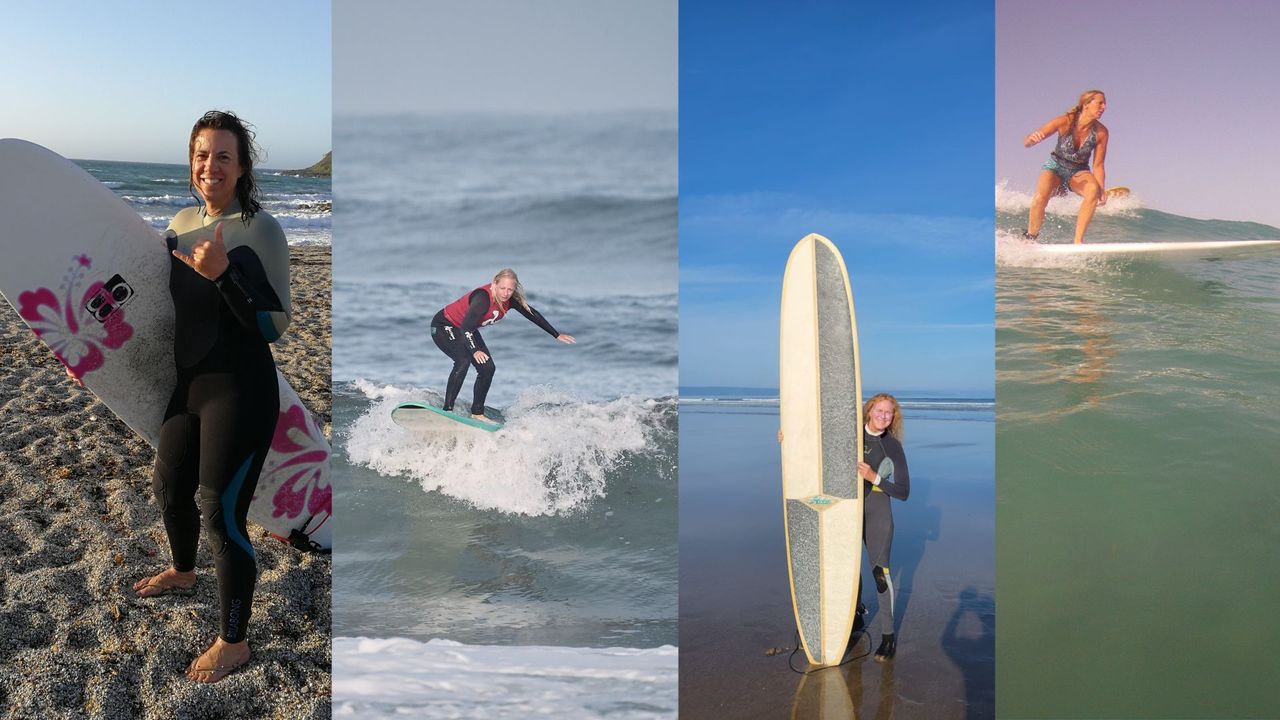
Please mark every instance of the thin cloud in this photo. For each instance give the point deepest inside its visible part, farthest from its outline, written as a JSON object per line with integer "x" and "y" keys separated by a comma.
{"x": 784, "y": 215}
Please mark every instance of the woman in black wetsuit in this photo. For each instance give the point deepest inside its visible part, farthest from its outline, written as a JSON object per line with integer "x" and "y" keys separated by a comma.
{"x": 229, "y": 279}
{"x": 883, "y": 469}
{"x": 456, "y": 331}
{"x": 1080, "y": 137}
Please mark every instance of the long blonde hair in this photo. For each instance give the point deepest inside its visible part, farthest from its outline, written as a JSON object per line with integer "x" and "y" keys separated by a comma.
{"x": 1073, "y": 114}
{"x": 518, "y": 295}
{"x": 895, "y": 427}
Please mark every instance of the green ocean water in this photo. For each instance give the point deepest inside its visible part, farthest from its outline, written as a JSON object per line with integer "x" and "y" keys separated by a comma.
{"x": 1137, "y": 464}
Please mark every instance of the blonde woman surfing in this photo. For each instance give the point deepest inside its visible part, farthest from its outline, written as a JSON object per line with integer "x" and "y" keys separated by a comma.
{"x": 456, "y": 331}
{"x": 1080, "y": 138}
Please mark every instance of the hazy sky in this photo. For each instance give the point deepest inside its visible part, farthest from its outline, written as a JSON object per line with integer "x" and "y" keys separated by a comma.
{"x": 1192, "y": 96}
{"x": 126, "y": 81}
{"x": 867, "y": 123}
{"x": 552, "y": 56}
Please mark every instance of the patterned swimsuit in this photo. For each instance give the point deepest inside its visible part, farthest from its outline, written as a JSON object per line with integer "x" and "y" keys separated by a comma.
{"x": 1066, "y": 159}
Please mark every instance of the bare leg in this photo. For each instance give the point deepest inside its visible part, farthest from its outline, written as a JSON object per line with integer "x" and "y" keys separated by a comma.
{"x": 1046, "y": 185}
{"x": 1087, "y": 187}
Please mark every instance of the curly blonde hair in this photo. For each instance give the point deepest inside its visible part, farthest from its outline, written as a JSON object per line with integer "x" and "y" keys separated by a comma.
{"x": 895, "y": 427}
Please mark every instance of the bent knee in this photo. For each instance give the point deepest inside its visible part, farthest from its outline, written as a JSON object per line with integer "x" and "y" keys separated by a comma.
{"x": 881, "y": 575}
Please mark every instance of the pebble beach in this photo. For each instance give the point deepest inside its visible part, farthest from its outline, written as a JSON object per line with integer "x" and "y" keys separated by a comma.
{"x": 79, "y": 526}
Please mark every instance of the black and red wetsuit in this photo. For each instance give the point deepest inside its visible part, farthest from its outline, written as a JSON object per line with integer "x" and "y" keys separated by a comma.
{"x": 456, "y": 331}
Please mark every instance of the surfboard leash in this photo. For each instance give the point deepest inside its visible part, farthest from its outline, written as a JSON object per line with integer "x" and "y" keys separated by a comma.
{"x": 850, "y": 659}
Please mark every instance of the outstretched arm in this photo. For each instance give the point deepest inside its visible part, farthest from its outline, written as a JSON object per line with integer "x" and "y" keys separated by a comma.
{"x": 1053, "y": 126}
{"x": 536, "y": 318}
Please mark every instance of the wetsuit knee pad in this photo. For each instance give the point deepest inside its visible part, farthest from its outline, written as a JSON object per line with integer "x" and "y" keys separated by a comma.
{"x": 171, "y": 455}
{"x": 882, "y": 578}
{"x": 487, "y": 369}
{"x": 215, "y": 523}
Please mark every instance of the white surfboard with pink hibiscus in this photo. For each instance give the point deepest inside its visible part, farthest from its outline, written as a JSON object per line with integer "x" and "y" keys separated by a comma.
{"x": 91, "y": 279}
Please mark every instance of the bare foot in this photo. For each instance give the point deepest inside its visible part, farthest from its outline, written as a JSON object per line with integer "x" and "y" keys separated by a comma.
{"x": 168, "y": 582}
{"x": 484, "y": 419}
{"x": 218, "y": 661}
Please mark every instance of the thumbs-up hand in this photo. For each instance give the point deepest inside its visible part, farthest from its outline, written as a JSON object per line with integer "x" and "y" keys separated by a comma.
{"x": 208, "y": 257}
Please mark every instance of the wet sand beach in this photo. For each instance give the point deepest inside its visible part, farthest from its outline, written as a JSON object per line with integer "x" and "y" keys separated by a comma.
{"x": 737, "y": 627}
{"x": 79, "y": 526}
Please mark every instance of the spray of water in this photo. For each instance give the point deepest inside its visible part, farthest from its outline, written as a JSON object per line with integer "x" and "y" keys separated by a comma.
{"x": 556, "y": 452}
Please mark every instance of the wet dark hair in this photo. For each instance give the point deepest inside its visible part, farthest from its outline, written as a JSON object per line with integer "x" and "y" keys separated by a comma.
{"x": 246, "y": 187}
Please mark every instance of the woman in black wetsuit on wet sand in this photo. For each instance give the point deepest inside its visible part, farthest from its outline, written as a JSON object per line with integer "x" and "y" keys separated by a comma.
{"x": 456, "y": 331}
{"x": 883, "y": 469}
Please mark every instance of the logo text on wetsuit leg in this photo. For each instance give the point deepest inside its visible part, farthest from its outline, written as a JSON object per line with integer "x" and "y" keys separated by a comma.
{"x": 233, "y": 618}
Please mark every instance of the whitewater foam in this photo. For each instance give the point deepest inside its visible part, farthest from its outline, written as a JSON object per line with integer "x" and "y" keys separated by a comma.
{"x": 1064, "y": 207}
{"x": 555, "y": 453}
{"x": 399, "y": 677}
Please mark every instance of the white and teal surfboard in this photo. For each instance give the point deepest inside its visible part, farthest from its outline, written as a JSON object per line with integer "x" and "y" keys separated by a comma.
{"x": 424, "y": 418}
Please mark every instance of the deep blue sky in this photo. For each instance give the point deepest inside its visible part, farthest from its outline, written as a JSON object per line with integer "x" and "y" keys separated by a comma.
{"x": 870, "y": 125}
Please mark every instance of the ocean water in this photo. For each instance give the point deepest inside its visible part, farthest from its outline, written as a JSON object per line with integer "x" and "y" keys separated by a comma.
{"x": 1139, "y": 401}
{"x": 158, "y": 191}
{"x": 735, "y": 604}
{"x": 560, "y": 531}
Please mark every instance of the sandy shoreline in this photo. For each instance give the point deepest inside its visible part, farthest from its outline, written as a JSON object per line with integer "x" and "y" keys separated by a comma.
{"x": 737, "y": 625}
{"x": 78, "y": 526}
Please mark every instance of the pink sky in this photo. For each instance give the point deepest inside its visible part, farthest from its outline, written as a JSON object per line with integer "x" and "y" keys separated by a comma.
{"x": 1192, "y": 97}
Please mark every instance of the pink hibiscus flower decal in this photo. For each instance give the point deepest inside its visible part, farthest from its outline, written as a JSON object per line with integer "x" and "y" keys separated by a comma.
{"x": 81, "y": 348}
{"x": 302, "y": 487}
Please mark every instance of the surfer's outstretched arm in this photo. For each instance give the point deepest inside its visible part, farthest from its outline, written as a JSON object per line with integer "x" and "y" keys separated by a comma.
{"x": 536, "y": 318}
{"x": 1052, "y": 127}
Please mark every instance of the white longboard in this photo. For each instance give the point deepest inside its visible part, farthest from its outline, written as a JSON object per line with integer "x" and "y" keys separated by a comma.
{"x": 424, "y": 418}
{"x": 820, "y": 409}
{"x": 1196, "y": 247}
{"x": 91, "y": 279}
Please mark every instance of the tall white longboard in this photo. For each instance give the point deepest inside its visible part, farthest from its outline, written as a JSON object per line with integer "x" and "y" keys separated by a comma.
{"x": 820, "y": 408}
{"x": 91, "y": 279}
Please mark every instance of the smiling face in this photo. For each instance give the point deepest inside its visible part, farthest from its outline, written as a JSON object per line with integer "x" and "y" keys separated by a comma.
{"x": 881, "y": 416}
{"x": 215, "y": 167}
{"x": 503, "y": 289}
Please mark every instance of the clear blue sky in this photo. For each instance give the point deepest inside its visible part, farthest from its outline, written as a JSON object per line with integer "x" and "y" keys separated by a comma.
{"x": 867, "y": 123}
{"x": 1192, "y": 96}
{"x": 549, "y": 56}
{"x": 125, "y": 81}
